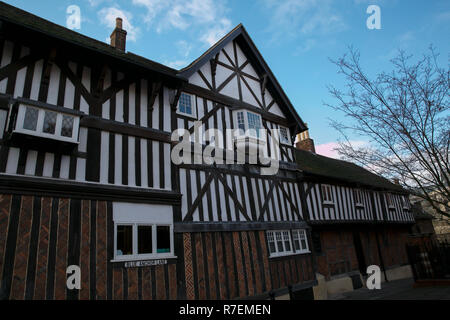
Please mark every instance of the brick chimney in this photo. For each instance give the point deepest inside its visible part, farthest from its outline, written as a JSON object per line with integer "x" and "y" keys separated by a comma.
{"x": 304, "y": 142}
{"x": 119, "y": 36}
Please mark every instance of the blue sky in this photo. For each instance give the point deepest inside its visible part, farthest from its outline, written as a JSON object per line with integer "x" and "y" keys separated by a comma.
{"x": 296, "y": 38}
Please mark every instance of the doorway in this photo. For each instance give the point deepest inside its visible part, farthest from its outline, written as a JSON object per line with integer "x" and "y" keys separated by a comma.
{"x": 359, "y": 253}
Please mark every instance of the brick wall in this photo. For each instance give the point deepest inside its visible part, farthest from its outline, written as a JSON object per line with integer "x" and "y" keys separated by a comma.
{"x": 339, "y": 256}
{"x": 41, "y": 236}
{"x": 228, "y": 265}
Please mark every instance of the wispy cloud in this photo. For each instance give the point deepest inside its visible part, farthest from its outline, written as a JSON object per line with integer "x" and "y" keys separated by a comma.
{"x": 108, "y": 17}
{"x": 95, "y": 3}
{"x": 177, "y": 64}
{"x": 184, "y": 47}
{"x": 443, "y": 16}
{"x": 208, "y": 17}
{"x": 303, "y": 17}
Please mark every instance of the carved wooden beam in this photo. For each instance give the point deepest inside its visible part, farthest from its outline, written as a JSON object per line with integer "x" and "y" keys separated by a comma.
{"x": 174, "y": 96}
{"x": 154, "y": 90}
{"x": 45, "y": 80}
{"x": 263, "y": 84}
{"x": 100, "y": 82}
{"x": 213, "y": 63}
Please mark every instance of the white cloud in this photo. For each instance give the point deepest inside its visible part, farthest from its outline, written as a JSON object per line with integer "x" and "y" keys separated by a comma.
{"x": 208, "y": 17}
{"x": 215, "y": 33}
{"x": 108, "y": 17}
{"x": 177, "y": 64}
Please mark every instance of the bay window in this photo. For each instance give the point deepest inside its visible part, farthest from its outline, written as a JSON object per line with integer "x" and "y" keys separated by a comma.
{"x": 249, "y": 124}
{"x": 45, "y": 121}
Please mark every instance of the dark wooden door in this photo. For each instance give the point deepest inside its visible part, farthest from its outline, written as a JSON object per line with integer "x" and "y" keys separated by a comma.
{"x": 359, "y": 253}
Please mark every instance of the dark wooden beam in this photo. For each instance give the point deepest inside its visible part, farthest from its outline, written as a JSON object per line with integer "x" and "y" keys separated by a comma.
{"x": 124, "y": 128}
{"x": 237, "y": 226}
{"x": 58, "y": 188}
{"x": 233, "y": 103}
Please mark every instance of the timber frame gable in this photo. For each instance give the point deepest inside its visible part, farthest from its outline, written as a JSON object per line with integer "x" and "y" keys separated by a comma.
{"x": 252, "y": 70}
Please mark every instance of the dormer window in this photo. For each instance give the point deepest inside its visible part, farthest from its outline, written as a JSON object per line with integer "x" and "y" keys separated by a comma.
{"x": 49, "y": 123}
{"x": 327, "y": 194}
{"x": 249, "y": 124}
{"x": 358, "y": 198}
{"x": 284, "y": 135}
{"x": 186, "y": 105}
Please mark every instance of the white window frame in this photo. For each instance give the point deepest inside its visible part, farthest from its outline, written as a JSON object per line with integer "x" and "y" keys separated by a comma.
{"x": 143, "y": 215}
{"x": 288, "y": 141}
{"x": 193, "y": 106}
{"x": 19, "y": 126}
{"x": 358, "y": 193}
{"x": 146, "y": 256}
{"x": 325, "y": 199}
{"x": 247, "y": 134}
{"x": 300, "y": 233}
{"x": 272, "y": 235}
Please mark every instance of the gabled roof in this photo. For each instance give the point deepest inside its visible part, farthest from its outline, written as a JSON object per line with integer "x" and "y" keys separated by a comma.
{"x": 317, "y": 165}
{"x": 240, "y": 35}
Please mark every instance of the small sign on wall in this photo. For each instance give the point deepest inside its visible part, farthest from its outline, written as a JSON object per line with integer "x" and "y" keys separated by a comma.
{"x": 145, "y": 263}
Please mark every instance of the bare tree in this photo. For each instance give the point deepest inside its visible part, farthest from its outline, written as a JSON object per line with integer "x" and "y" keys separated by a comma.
{"x": 404, "y": 115}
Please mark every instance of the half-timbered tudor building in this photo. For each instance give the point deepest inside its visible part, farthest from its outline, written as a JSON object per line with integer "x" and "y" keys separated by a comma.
{"x": 87, "y": 177}
{"x": 357, "y": 218}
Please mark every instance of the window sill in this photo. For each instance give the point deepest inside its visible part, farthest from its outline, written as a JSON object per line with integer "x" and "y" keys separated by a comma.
{"x": 192, "y": 116}
{"x": 131, "y": 259}
{"x": 250, "y": 139}
{"x": 328, "y": 203}
{"x": 288, "y": 255}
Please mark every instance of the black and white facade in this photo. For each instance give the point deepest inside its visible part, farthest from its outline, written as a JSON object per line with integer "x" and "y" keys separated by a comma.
{"x": 86, "y": 175}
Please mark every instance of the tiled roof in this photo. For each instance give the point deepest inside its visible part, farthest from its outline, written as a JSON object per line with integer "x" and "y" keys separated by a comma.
{"x": 315, "y": 164}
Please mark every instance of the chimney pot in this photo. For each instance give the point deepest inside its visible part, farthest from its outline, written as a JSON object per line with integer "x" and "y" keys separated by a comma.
{"x": 304, "y": 142}
{"x": 119, "y": 23}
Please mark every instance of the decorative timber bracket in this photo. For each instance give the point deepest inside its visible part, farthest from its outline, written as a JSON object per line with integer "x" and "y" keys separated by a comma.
{"x": 100, "y": 82}
{"x": 174, "y": 96}
{"x": 213, "y": 63}
{"x": 263, "y": 84}
{"x": 154, "y": 90}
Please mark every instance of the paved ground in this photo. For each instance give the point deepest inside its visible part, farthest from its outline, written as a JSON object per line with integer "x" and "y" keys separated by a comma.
{"x": 397, "y": 290}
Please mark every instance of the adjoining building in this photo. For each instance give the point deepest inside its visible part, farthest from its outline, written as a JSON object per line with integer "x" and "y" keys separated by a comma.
{"x": 357, "y": 218}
